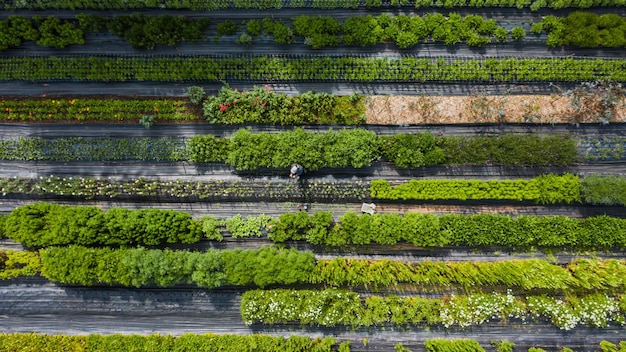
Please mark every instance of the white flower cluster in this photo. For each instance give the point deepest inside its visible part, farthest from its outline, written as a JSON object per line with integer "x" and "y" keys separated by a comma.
{"x": 464, "y": 311}
{"x": 596, "y": 310}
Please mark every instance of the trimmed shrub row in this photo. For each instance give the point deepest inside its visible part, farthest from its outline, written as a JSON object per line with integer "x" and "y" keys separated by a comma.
{"x": 165, "y": 343}
{"x": 164, "y": 268}
{"x": 544, "y": 189}
{"x": 358, "y": 148}
{"x": 428, "y": 230}
{"x": 46, "y": 224}
{"x": 337, "y": 307}
{"x": 305, "y": 69}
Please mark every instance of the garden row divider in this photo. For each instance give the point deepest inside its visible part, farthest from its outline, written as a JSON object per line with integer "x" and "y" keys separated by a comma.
{"x": 55, "y": 130}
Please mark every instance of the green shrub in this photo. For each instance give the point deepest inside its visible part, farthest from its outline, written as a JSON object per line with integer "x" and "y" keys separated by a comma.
{"x": 164, "y": 268}
{"x": 227, "y": 27}
{"x": 206, "y": 149}
{"x": 45, "y": 224}
{"x": 460, "y": 345}
{"x": 410, "y": 150}
{"x": 604, "y": 190}
{"x": 195, "y": 94}
{"x": 355, "y": 147}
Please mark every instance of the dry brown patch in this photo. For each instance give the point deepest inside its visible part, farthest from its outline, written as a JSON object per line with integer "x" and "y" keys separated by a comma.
{"x": 474, "y": 109}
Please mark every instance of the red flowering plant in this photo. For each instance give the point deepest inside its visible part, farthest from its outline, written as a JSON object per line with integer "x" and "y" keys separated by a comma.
{"x": 262, "y": 105}
{"x": 258, "y": 105}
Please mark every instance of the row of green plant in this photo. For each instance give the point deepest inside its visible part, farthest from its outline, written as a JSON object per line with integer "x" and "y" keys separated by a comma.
{"x": 271, "y": 266}
{"x": 429, "y": 276}
{"x": 543, "y": 189}
{"x": 469, "y": 345}
{"x": 47, "y": 224}
{"x": 262, "y": 105}
{"x": 428, "y": 230}
{"x": 299, "y": 69}
{"x": 92, "y": 149}
{"x": 584, "y": 29}
{"x": 140, "y": 267}
{"x": 141, "y": 32}
{"x": 21, "y": 342}
{"x": 214, "y": 190}
{"x": 93, "y": 109}
{"x": 166, "y": 343}
{"x": 595, "y": 189}
{"x": 405, "y": 31}
{"x": 333, "y": 307}
{"x": 201, "y": 5}
{"x": 358, "y": 148}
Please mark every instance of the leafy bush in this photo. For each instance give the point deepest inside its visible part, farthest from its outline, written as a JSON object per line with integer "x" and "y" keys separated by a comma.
{"x": 46, "y": 224}
{"x": 206, "y": 149}
{"x": 227, "y": 27}
{"x": 252, "y": 226}
{"x": 146, "y": 32}
{"x": 460, "y": 345}
{"x": 195, "y": 94}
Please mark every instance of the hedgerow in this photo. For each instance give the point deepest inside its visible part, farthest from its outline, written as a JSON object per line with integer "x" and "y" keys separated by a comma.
{"x": 47, "y": 224}
{"x": 32, "y": 342}
{"x": 543, "y": 189}
{"x": 164, "y": 268}
{"x": 338, "y": 307}
{"x": 427, "y": 230}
